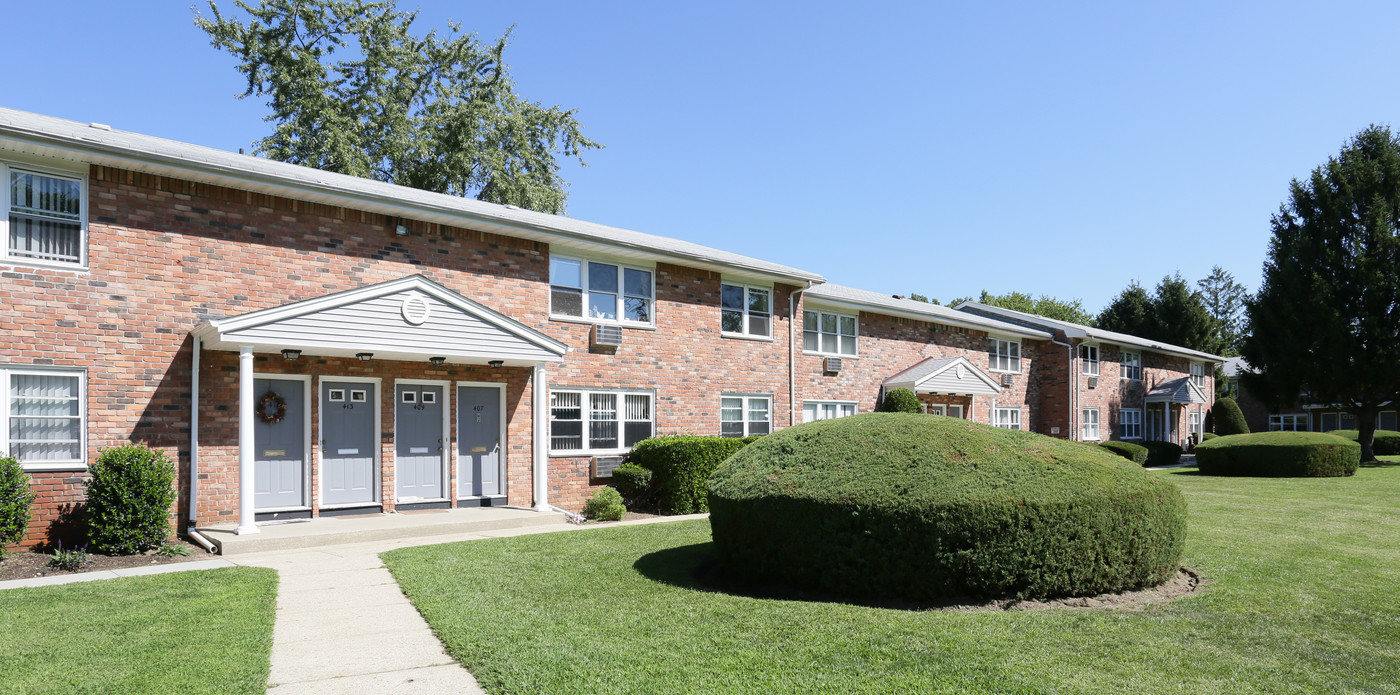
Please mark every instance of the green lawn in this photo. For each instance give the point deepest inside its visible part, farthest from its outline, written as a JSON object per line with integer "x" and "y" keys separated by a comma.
{"x": 1304, "y": 598}
{"x": 188, "y": 632}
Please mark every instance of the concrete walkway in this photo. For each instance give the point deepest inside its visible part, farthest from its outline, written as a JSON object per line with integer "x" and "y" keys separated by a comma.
{"x": 344, "y": 626}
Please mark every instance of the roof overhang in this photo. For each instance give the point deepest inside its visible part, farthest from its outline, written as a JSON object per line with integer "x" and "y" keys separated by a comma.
{"x": 1187, "y": 393}
{"x": 968, "y": 379}
{"x": 1090, "y": 334}
{"x": 819, "y": 301}
{"x": 348, "y": 323}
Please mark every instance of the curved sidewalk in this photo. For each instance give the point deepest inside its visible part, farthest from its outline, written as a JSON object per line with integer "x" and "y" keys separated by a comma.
{"x": 344, "y": 626}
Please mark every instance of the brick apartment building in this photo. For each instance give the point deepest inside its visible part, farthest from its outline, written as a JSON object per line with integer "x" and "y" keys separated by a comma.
{"x": 305, "y": 343}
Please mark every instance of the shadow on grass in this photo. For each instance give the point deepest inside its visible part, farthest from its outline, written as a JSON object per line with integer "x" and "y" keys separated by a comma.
{"x": 1380, "y": 464}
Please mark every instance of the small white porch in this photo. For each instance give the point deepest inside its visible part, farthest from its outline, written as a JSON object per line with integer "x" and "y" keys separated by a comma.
{"x": 1164, "y": 405}
{"x": 953, "y": 377}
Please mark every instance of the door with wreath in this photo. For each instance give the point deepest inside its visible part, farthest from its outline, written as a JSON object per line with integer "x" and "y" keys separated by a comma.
{"x": 279, "y": 440}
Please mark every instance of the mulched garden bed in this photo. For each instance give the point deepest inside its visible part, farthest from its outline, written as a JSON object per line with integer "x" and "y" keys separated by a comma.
{"x": 27, "y": 565}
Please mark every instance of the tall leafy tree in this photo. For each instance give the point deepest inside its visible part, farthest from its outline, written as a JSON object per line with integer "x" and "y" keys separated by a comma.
{"x": 1130, "y": 312}
{"x": 354, "y": 90}
{"x": 1224, "y": 299}
{"x": 1326, "y": 320}
{"x": 1042, "y": 305}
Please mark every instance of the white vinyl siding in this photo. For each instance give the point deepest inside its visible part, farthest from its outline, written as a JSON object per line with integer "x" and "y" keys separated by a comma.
{"x": 1089, "y": 359}
{"x": 1004, "y": 355}
{"x": 1289, "y": 422}
{"x": 746, "y": 311}
{"x": 742, "y": 416}
{"x": 1131, "y": 365}
{"x": 45, "y": 221}
{"x": 1089, "y": 424}
{"x": 1130, "y": 424}
{"x": 602, "y": 292}
{"x": 1198, "y": 374}
{"x": 826, "y": 410}
{"x": 45, "y": 413}
{"x": 825, "y": 333}
{"x": 593, "y": 422}
{"x": 1006, "y": 418}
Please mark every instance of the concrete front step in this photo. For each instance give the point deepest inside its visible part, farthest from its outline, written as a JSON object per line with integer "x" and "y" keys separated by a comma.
{"x": 337, "y": 530}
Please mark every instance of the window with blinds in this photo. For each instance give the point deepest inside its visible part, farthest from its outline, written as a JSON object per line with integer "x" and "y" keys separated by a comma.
{"x": 45, "y": 217}
{"x": 589, "y": 422}
{"x": 44, "y": 412}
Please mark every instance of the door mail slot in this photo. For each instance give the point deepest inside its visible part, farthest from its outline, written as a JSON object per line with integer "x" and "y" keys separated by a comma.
{"x": 274, "y": 452}
{"x": 418, "y": 450}
{"x": 347, "y": 452}
{"x": 478, "y": 449}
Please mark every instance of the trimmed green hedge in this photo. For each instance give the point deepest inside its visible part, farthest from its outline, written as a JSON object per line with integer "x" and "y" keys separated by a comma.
{"x": 1207, "y": 436}
{"x": 681, "y": 465}
{"x": 1128, "y": 450}
{"x": 1386, "y": 442}
{"x": 1279, "y": 455}
{"x": 605, "y": 505}
{"x": 1228, "y": 418}
{"x": 15, "y": 498}
{"x": 891, "y": 505}
{"x": 1162, "y": 454}
{"x": 129, "y": 499}
{"x": 900, "y": 401}
{"x": 632, "y": 481}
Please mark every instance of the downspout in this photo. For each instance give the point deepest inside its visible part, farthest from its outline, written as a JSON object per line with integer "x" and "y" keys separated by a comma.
{"x": 194, "y": 449}
{"x": 792, "y": 354}
{"x": 1073, "y": 382}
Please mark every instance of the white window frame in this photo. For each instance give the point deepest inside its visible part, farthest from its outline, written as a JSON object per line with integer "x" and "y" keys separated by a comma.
{"x": 746, "y": 399}
{"x": 1130, "y": 365}
{"x": 819, "y": 313}
{"x": 1006, "y": 418}
{"x": 955, "y": 407}
{"x": 1299, "y": 422}
{"x": 1089, "y": 429}
{"x": 996, "y": 347}
{"x": 586, "y": 418}
{"x": 1130, "y": 429}
{"x": 6, "y": 257}
{"x": 841, "y": 409}
{"x": 1198, "y": 374}
{"x": 6, "y": 371}
{"x": 619, "y": 305}
{"x": 744, "y": 320}
{"x": 1089, "y": 359}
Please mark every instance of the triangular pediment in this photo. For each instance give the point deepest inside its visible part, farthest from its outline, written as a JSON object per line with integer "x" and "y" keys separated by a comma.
{"x": 951, "y": 375}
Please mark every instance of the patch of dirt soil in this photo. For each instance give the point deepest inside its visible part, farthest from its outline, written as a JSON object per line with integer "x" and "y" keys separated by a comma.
{"x": 1186, "y": 582}
{"x": 28, "y": 564}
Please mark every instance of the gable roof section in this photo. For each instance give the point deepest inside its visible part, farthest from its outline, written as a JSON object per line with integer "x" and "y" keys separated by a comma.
{"x": 954, "y": 375}
{"x": 877, "y": 303}
{"x": 1178, "y": 390}
{"x": 1075, "y": 330}
{"x": 411, "y": 318}
{"x": 36, "y": 134}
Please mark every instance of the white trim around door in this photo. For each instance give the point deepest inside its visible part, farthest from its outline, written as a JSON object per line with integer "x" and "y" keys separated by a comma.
{"x": 447, "y": 447}
{"x": 309, "y": 454}
{"x": 505, "y": 448}
{"x": 378, "y": 441}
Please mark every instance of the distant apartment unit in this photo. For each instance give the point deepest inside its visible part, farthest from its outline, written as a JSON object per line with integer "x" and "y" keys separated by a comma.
{"x": 305, "y": 343}
{"x": 1305, "y": 416}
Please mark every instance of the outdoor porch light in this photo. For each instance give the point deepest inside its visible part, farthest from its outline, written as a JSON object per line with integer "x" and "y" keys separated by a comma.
{"x": 290, "y": 354}
{"x": 364, "y": 356}
{"x": 497, "y": 364}
{"x": 437, "y": 361}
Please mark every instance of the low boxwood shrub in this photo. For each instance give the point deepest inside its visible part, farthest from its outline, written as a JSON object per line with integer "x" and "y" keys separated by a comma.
{"x": 1162, "y": 453}
{"x": 899, "y": 506}
{"x": 1279, "y": 454}
{"x": 1228, "y": 418}
{"x": 1128, "y": 450}
{"x": 633, "y": 481}
{"x": 128, "y": 500}
{"x": 604, "y": 505}
{"x": 900, "y": 401}
{"x": 15, "y": 498}
{"x": 681, "y": 465}
{"x": 1385, "y": 443}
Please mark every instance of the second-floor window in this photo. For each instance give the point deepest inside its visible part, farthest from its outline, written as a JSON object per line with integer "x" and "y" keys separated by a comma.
{"x": 827, "y": 333}
{"x": 1198, "y": 374}
{"x": 746, "y": 310}
{"x": 599, "y": 291}
{"x": 1131, "y": 363}
{"x": 1089, "y": 359}
{"x": 1005, "y": 355}
{"x": 45, "y": 220}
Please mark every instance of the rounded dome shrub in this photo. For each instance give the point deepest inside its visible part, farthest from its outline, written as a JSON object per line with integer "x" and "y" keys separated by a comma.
{"x": 1162, "y": 453}
{"x": 890, "y": 505}
{"x": 1385, "y": 442}
{"x": 900, "y": 401}
{"x": 1228, "y": 418}
{"x": 1128, "y": 450}
{"x": 1279, "y": 455}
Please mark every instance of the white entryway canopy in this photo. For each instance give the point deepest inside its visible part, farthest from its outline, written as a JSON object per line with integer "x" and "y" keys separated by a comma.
{"x": 1178, "y": 390}
{"x": 409, "y": 319}
{"x": 947, "y": 375}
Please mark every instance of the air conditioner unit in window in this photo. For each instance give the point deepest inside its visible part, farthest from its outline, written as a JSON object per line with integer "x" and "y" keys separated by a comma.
{"x": 607, "y": 336}
{"x": 831, "y": 365}
{"x": 1093, "y": 382}
{"x": 603, "y": 465}
{"x": 1008, "y": 379}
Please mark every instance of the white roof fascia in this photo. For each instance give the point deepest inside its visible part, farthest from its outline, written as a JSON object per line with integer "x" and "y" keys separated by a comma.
{"x": 989, "y": 326}
{"x": 35, "y": 134}
{"x": 1074, "y": 330}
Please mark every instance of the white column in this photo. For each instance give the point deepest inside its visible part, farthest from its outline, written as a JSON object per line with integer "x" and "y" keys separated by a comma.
{"x": 541, "y": 443}
{"x": 246, "y": 413}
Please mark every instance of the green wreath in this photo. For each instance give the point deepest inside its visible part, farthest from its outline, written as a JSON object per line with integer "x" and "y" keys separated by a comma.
{"x": 271, "y": 408}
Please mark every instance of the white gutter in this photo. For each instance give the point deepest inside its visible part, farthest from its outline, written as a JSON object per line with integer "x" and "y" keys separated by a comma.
{"x": 541, "y": 443}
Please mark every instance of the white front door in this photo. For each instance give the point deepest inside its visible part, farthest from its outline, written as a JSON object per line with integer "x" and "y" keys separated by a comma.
{"x": 937, "y": 410}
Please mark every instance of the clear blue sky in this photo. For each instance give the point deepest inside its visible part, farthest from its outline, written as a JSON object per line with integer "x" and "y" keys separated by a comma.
{"x": 940, "y": 148}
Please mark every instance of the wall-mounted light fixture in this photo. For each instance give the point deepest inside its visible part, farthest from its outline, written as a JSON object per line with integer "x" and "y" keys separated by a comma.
{"x": 497, "y": 364}
{"x": 399, "y": 228}
{"x": 290, "y": 354}
{"x": 437, "y": 361}
{"x": 365, "y": 356}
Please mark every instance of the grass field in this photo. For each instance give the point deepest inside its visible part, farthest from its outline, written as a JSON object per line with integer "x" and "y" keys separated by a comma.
{"x": 1304, "y": 597}
{"x": 187, "y": 632}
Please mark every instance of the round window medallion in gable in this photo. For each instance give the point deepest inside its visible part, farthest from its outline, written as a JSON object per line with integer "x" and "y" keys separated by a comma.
{"x": 958, "y": 372}
{"x": 415, "y": 310}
